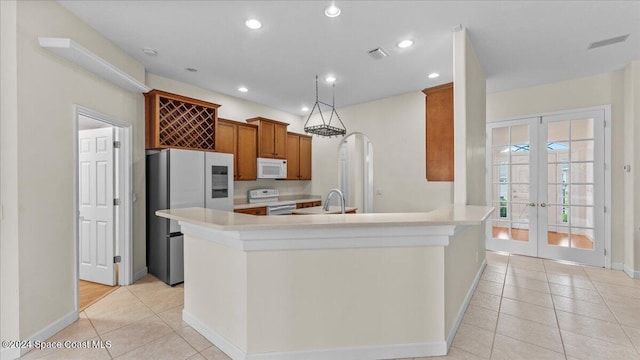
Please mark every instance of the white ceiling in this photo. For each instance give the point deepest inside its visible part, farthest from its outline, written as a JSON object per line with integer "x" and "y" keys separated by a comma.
{"x": 519, "y": 43}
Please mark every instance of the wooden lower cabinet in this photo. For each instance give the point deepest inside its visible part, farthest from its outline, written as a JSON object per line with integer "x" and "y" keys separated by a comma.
{"x": 308, "y": 204}
{"x": 253, "y": 211}
{"x": 241, "y": 140}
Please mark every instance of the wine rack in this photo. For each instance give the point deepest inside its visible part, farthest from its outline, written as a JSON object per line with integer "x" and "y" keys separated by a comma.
{"x": 175, "y": 121}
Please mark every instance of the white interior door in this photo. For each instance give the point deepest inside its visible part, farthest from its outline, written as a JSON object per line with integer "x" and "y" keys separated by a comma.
{"x": 511, "y": 189}
{"x": 96, "y": 196}
{"x": 571, "y": 200}
{"x": 546, "y": 182}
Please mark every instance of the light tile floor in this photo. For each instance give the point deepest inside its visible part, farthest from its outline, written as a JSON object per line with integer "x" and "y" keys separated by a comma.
{"x": 523, "y": 308}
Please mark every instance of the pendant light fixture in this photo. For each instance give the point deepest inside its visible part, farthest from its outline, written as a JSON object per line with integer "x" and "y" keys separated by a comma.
{"x": 325, "y": 129}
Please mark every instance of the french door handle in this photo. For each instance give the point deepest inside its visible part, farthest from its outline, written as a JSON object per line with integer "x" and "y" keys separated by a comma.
{"x": 532, "y": 204}
{"x": 543, "y": 204}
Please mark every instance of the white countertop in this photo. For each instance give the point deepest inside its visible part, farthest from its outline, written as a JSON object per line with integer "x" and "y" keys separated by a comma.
{"x": 318, "y": 210}
{"x": 230, "y": 221}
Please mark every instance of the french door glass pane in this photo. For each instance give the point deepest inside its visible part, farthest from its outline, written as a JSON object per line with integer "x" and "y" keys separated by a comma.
{"x": 582, "y": 172}
{"x": 520, "y": 232}
{"x": 500, "y": 136}
{"x": 582, "y": 129}
{"x": 582, "y": 194}
{"x": 501, "y": 155}
{"x": 558, "y": 235}
{"x": 558, "y": 131}
{"x": 582, "y": 150}
{"x": 520, "y": 137}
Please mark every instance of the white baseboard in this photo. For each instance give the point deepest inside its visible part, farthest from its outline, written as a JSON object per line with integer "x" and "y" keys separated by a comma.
{"x": 352, "y": 353}
{"x": 228, "y": 348}
{"x": 52, "y": 329}
{"x": 356, "y": 353}
{"x": 617, "y": 266}
{"x": 465, "y": 304}
{"x": 634, "y": 274}
{"x": 140, "y": 274}
{"x": 9, "y": 354}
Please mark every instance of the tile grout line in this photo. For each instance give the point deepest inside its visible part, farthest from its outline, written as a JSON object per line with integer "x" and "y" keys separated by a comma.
{"x": 495, "y": 330}
{"x": 555, "y": 313}
{"x": 616, "y": 317}
{"x": 94, "y": 327}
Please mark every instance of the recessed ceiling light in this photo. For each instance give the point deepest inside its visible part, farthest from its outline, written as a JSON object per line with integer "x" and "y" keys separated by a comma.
{"x": 304, "y": 108}
{"x": 433, "y": 75}
{"x": 330, "y": 78}
{"x": 332, "y": 11}
{"x": 191, "y": 70}
{"x": 405, "y": 43}
{"x": 150, "y": 52}
{"x": 243, "y": 89}
{"x": 253, "y": 24}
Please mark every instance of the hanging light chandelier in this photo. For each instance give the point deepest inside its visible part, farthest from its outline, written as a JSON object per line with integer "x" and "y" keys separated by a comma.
{"x": 325, "y": 129}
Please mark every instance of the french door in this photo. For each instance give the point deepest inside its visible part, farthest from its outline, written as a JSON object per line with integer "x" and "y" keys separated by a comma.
{"x": 546, "y": 182}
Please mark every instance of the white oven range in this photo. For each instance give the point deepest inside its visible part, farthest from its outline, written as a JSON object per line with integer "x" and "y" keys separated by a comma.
{"x": 269, "y": 197}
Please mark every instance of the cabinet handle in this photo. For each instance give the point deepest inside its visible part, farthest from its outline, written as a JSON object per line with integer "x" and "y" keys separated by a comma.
{"x": 239, "y": 176}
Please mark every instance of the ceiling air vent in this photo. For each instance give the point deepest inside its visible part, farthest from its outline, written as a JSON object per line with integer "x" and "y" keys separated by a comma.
{"x": 378, "y": 53}
{"x": 606, "y": 42}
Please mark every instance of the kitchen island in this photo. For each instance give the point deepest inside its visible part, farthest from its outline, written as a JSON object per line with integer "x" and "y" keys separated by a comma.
{"x": 356, "y": 286}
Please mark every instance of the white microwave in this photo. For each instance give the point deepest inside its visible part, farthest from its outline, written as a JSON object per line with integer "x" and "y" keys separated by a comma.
{"x": 272, "y": 168}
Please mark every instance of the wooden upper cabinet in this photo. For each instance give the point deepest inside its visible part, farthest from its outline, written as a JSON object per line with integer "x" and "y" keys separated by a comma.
{"x": 305, "y": 157}
{"x": 298, "y": 157}
{"x": 226, "y": 136}
{"x": 246, "y": 152}
{"x": 439, "y": 132}
{"x": 241, "y": 140}
{"x": 272, "y": 138}
{"x": 175, "y": 121}
{"x": 293, "y": 156}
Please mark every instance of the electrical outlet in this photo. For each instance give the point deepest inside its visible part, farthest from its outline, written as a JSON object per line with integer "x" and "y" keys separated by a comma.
{"x": 379, "y": 191}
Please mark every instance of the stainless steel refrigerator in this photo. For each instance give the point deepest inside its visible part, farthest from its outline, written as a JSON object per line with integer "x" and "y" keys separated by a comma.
{"x": 179, "y": 179}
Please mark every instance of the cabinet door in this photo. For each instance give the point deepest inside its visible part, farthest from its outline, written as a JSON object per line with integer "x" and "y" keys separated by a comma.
{"x": 267, "y": 140}
{"x": 293, "y": 157}
{"x": 305, "y": 158}
{"x": 226, "y": 137}
{"x": 439, "y": 133}
{"x": 246, "y": 151}
{"x": 280, "y": 141}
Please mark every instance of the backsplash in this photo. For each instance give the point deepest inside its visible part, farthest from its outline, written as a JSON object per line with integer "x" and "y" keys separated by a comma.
{"x": 289, "y": 187}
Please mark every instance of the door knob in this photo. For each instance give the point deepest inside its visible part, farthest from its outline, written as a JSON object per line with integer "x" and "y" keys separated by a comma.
{"x": 532, "y": 204}
{"x": 543, "y": 204}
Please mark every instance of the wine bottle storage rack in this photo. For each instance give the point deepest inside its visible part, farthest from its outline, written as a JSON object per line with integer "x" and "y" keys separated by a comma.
{"x": 175, "y": 121}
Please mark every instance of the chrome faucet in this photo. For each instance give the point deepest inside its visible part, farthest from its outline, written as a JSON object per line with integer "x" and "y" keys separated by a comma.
{"x": 340, "y": 194}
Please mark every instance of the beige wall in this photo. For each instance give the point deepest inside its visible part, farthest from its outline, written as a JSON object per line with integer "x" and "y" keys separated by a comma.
{"x": 462, "y": 260}
{"x": 238, "y": 109}
{"x": 48, "y": 87}
{"x": 323, "y": 299}
{"x": 631, "y": 157}
{"x": 573, "y": 94}
{"x": 9, "y": 244}
{"x": 396, "y": 128}
{"x": 469, "y": 122}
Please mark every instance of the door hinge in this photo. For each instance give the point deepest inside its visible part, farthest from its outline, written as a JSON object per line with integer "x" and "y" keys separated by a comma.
{"x": 116, "y": 144}
{"x": 605, "y": 166}
{"x": 605, "y": 123}
{"x": 116, "y": 202}
{"x": 605, "y": 209}
{"x": 117, "y": 259}
{"x": 605, "y": 252}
